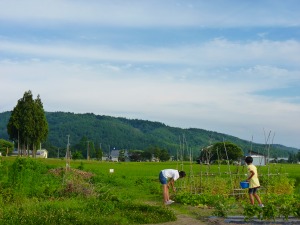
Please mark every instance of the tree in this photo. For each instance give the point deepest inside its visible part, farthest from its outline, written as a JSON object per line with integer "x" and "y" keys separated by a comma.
{"x": 164, "y": 155}
{"x": 28, "y": 125}
{"x": 99, "y": 154}
{"x": 41, "y": 124}
{"x": 121, "y": 157}
{"x": 146, "y": 155}
{"x": 6, "y": 147}
{"x": 294, "y": 158}
{"x": 77, "y": 155}
{"x": 154, "y": 151}
{"x": 222, "y": 150}
{"x": 135, "y": 155}
{"x": 298, "y": 155}
{"x": 82, "y": 146}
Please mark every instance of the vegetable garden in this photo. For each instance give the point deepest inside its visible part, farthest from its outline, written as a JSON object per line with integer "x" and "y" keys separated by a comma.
{"x": 42, "y": 191}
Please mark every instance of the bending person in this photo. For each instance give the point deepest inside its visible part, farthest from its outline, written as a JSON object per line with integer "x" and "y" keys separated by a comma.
{"x": 167, "y": 178}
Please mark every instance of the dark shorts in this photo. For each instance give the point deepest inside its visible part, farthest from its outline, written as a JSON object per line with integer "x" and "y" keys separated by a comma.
{"x": 162, "y": 179}
{"x": 252, "y": 190}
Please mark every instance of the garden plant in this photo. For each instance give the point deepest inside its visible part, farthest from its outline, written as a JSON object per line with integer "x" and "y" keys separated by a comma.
{"x": 42, "y": 191}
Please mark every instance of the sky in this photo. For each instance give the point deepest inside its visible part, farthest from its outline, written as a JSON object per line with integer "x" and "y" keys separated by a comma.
{"x": 228, "y": 66}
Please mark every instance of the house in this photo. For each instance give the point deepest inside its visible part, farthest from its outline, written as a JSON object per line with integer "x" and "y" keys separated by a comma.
{"x": 115, "y": 154}
{"x": 258, "y": 159}
{"x": 42, "y": 153}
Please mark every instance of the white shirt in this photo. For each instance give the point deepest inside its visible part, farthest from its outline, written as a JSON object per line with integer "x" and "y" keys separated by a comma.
{"x": 170, "y": 173}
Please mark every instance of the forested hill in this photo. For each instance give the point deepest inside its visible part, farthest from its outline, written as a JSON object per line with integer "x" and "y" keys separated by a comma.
{"x": 132, "y": 134}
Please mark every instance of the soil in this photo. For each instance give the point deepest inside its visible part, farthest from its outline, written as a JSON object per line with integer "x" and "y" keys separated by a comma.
{"x": 183, "y": 219}
{"x": 188, "y": 220}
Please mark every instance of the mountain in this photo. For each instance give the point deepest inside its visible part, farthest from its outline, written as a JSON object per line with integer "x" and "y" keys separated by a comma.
{"x": 120, "y": 133}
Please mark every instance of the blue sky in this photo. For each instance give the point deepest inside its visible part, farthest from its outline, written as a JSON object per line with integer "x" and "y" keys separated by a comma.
{"x": 221, "y": 65}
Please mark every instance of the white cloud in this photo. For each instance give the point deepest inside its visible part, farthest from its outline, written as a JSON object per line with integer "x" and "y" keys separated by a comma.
{"x": 210, "y": 54}
{"x": 95, "y": 64}
{"x": 208, "y": 104}
{"x": 153, "y": 13}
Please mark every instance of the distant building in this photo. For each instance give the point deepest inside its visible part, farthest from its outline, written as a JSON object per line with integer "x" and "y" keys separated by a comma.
{"x": 154, "y": 159}
{"x": 42, "y": 153}
{"x": 114, "y": 156}
{"x": 15, "y": 152}
{"x": 258, "y": 159}
{"x": 104, "y": 158}
{"x": 278, "y": 160}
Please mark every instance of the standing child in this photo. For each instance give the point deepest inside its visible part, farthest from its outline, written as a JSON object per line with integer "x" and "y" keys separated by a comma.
{"x": 167, "y": 178}
{"x": 253, "y": 181}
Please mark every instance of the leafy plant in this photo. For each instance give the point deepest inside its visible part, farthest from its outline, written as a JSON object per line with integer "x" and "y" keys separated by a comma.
{"x": 222, "y": 208}
{"x": 280, "y": 185}
{"x": 270, "y": 211}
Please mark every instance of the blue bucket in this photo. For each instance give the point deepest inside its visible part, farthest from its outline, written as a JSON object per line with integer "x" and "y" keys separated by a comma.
{"x": 244, "y": 184}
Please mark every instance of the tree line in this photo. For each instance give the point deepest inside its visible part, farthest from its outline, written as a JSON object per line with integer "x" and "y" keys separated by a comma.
{"x": 28, "y": 125}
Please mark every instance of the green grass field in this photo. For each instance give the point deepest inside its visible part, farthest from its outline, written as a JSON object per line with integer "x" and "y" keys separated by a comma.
{"x": 132, "y": 193}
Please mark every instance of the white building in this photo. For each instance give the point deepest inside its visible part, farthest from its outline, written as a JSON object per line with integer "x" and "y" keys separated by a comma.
{"x": 42, "y": 153}
{"x": 259, "y": 160}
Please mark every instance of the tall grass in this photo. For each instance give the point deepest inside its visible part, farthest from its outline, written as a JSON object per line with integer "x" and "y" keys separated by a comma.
{"x": 32, "y": 192}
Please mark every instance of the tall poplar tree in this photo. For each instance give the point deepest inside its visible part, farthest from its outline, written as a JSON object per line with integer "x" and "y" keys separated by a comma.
{"x": 28, "y": 125}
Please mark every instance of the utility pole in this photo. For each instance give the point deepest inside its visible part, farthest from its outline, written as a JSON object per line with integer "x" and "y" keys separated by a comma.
{"x": 109, "y": 156}
{"x": 88, "y": 151}
{"x": 68, "y": 155}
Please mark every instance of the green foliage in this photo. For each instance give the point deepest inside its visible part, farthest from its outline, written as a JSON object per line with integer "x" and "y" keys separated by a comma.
{"x": 250, "y": 211}
{"x": 226, "y": 151}
{"x": 30, "y": 193}
{"x": 130, "y": 134}
{"x": 201, "y": 199}
{"x": 296, "y": 205}
{"x": 6, "y": 147}
{"x": 27, "y": 124}
{"x": 92, "y": 195}
{"x": 77, "y": 155}
{"x": 26, "y": 178}
{"x": 274, "y": 206}
{"x": 223, "y": 208}
{"x": 280, "y": 184}
{"x": 83, "y": 211}
{"x": 135, "y": 155}
{"x": 121, "y": 157}
{"x": 216, "y": 185}
{"x": 99, "y": 154}
{"x": 222, "y": 205}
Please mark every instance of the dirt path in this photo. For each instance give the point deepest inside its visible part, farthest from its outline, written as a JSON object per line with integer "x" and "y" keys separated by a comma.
{"x": 183, "y": 219}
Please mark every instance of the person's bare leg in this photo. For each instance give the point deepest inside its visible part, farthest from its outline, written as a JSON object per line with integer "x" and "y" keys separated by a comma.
{"x": 257, "y": 198}
{"x": 165, "y": 192}
{"x": 251, "y": 199}
{"x": 168, "y": 194}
